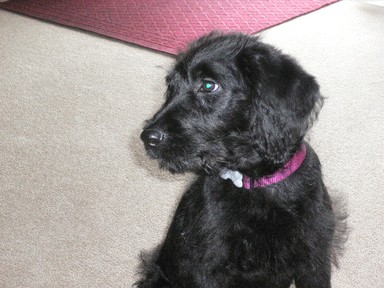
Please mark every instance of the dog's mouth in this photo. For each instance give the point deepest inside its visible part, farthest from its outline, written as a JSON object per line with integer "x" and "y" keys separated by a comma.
{"x": 169, "y": 159}
{"x": 176, "y": 162}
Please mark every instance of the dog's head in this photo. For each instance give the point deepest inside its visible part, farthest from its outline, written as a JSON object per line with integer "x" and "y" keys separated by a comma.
{"x": 235, "y": 103}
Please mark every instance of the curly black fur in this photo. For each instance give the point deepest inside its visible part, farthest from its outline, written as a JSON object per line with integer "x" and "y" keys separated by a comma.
{"x": 236, "y": 103}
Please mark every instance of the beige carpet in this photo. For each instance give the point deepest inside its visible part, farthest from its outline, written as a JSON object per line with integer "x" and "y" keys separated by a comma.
{"x": 79, "y": 198}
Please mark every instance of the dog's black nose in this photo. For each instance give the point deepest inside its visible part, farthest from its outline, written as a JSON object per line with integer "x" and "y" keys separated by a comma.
{"x": 152, "y": 137}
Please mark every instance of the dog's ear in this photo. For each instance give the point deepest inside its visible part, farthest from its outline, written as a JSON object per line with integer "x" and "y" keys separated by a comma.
{"x": 285, "y": 100}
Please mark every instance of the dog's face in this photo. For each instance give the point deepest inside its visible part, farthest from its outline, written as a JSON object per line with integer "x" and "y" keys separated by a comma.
{"x": 232, "y": 102}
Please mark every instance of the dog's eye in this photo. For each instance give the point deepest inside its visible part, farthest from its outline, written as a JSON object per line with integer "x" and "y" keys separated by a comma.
{"x": 209, "y": 87}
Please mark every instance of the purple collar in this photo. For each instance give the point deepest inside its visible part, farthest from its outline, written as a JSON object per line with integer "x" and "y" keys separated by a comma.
{"x": 241, "y": 180}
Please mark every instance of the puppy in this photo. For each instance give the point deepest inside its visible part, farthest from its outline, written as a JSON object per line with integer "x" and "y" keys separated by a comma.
{"x": 258, "y": 215}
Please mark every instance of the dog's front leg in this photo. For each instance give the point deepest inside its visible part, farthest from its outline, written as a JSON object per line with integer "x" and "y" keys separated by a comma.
{"x": 189, "y": 255}
{"x": 319, "y": 277}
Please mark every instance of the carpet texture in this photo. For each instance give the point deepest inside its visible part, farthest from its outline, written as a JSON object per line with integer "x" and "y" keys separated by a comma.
{"x": 79, "y": 198}
{"x": 165, "y": 25}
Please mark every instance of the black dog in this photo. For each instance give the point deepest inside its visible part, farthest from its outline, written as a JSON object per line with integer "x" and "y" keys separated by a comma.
{"x": 236, "y": 113}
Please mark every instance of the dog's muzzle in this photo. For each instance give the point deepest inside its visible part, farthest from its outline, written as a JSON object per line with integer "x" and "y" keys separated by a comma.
{"x": 152, "y": 137}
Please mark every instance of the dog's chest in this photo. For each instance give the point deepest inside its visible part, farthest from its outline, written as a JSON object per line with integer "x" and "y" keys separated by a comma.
{"x": 253, "y": 235}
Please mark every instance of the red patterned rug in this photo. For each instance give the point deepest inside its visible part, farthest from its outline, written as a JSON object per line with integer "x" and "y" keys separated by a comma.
{"x": 165, "y": 25}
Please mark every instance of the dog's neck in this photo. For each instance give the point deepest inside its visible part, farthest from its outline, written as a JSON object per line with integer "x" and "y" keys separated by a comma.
{"x": 244, "y": 181}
